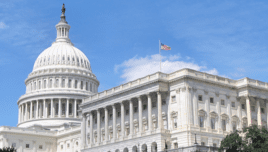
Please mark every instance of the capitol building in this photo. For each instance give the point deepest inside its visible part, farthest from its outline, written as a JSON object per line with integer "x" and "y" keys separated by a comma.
{"x": 62, "y": 110}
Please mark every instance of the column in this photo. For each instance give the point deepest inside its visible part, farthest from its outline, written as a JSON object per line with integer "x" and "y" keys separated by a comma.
{"x": 266, "y": 113}
{"x": 195, "y": 107}
{"x": 23, "y": 112}
{"x": 140, "y": 114}
{"x": 122, "y": 119}
{"x": 248, "y": 111}
{"x": 259, "y": 113}
{"x": 83, "y": 131}
{"x": 59, "y": 110}
{"x": 239, "y": 110}
{"x": 75, "y": 104}
{"x": 206, "y": 98}
{"x": 87, "y": 128}
{"x": 114, "y": 122}
{"x": 31, "y": 110}
{"x": 52, "y": 108}
{"x": 91, "y": 127}
{"x": 219, "y": 114}
{"x": 98, "y": 127}
{"x": 67, "y": 108}
{"x": 229, "y": 113}
{"x": 37, "y": 109}
{"x": 44, "y": 108}
{"x": 130, "y": 118}
{"x": 19, "y": 114}
{"x": 190, "y": 106}
{"x": 106, "y": 124}
{"x": 159, "y": 107}
{"x": 149, "y": 112}
{"x": 26, "y": 111}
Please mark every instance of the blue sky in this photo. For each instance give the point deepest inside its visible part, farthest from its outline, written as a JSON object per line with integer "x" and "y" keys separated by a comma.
{"x": 120, "y": 39}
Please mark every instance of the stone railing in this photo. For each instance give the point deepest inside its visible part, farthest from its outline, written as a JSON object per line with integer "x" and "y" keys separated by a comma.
{"x": 178, "y": 74}
{"x": 27, "y": 130}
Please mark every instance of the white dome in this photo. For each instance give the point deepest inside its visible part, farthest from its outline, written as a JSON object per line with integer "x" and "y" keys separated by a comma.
{"x": 62, "y": 55}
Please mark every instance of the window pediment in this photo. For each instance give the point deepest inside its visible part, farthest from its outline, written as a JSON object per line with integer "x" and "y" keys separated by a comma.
{"x": 201, "y": 112}
{"x": 213, "y": 114}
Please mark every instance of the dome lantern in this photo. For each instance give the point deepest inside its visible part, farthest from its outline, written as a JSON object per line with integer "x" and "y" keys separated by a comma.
{"x": 63, "y": 28}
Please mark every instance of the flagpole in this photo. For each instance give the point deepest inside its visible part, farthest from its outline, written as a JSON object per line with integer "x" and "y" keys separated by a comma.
{"x": 160, "y": 54}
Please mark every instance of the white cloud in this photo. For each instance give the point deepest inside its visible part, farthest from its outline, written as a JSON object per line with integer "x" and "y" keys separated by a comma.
{"x": 138, "y": 67}
{"x": 3, "y": 25}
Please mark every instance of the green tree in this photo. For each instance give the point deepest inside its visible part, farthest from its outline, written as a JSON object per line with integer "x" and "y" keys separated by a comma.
{"x": 251, "y": 139}
{"x": 8, "y": 149}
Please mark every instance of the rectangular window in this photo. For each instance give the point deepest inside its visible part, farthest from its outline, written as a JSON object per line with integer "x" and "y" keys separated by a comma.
{"x": 95, "y": 120}
{"x": 40, "y": 147}
{"x": 223, "y": 125}
{"x": 253, "y": 108}
{"x": 175, "y": 122}
{"x": 111, "y": 116}
{"x": 212, "y": 123}
{"x": 27, "y": 145}
{"x": 201, "y": 121}
{"x": 61, "y": 146}
{"x": 118, "y": 114}
{"x": 102, "y": 119}
{"x": 243, "y": 106}
{"x": 202, "y": 143}
{"x": 127, "y": 112}
{"x": 173, "y": 98}
{"x": 222, "y": 102}
{"x": 135, "y": 109}
{"x": 262, "y": 110}
{"x": 200, "y": 98}
{"x": 211, "y": 100}
{"x": 144, "y": 107}
{"x": 154, "y": 104}
{"x": 214, "y": 145}
{"x": 233, "y": 104}
{"x": 163, "y": 102}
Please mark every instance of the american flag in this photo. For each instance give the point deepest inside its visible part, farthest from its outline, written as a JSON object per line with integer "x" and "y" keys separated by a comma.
{"x": 165, "y": 47}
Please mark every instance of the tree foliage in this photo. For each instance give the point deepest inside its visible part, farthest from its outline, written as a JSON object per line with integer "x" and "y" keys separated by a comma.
{"x": 8, "y": 149}
{"x": 251, "y": 139}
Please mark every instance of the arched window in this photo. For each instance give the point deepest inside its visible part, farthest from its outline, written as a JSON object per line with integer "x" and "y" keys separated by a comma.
{"x": 68, "y": 58}
{"x": 81, "y": 86}
{"x": 45, "y": 84}
{"x": 75, "y": 85}
{"x": 57, "y": 83}
{"x": 70, "y": 109}
{"x": 81, "y": 61}
{"x": 63, "y": 58}
{"x": 50, "y": 83}
{"x": 63, "y": 83}
{"x": 70, "y": 82}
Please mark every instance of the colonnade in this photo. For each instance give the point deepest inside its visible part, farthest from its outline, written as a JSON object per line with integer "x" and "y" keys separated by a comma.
{"x": 88, "y": 117}
{"x": 61, "y": 82}
{"x": 48, "y": 108}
